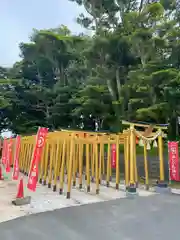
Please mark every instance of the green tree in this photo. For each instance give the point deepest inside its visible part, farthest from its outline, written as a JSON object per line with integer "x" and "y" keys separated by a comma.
{"x": 127, "y": 68}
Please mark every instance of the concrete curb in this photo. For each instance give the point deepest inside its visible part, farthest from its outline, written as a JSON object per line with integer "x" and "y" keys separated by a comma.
{"x": 175, "y": 191}
{"x": 21, "y": 201}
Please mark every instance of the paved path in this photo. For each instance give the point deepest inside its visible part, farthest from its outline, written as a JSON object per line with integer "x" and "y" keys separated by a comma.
{"x": 153, "y": 218}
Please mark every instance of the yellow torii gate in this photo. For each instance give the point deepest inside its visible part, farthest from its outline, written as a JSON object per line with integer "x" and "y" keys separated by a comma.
{"x": 146, "y": 137}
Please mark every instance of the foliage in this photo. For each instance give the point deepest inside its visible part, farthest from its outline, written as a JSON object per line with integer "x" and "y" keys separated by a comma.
{"x": 127, "y": 69}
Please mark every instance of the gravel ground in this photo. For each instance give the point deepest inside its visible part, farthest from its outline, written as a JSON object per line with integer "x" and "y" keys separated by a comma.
{"x": 45, "y": 199}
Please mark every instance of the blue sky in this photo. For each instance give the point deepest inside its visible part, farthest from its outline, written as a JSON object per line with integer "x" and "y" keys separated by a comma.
{"x": 19, "y": 17}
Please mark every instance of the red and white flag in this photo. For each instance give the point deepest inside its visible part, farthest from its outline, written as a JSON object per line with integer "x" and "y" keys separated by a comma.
{"x": 9, "y": 155}
{"x": 33, "y": 173}
{"x": 173, "y": 161}
{"x": 15, "y": 174}
{"x": 4, "y": 152}
{"x": 113, "y": 155}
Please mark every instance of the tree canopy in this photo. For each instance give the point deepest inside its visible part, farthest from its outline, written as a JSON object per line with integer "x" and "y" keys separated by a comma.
{"x": 128, "y": 68}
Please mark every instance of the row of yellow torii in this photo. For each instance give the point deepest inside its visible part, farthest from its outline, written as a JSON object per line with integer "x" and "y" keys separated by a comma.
{"x": 76, "y": 157}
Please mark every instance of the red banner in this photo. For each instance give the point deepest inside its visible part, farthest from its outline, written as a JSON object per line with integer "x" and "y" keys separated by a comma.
{"x": 9, "y": 155}
{"x": 10, "y": 151}
{"x": 113, "y": 155}
{"x": 15, "y": 174}
{"x": 173, "y": 161}
{"x": 4, "y": 151}
{"x": 33, "y": 173}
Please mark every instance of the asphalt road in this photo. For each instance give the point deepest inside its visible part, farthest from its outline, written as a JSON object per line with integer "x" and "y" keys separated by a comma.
{"x": 145, "y": 218}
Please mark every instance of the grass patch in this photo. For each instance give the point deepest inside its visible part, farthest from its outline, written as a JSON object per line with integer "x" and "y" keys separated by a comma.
{"x": 174, "y": 184}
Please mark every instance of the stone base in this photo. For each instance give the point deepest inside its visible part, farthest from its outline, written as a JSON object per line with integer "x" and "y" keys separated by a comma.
{"x": 131, "y": 188}
{"x": 161, "y": 184}
{"x": 162, "y": 187}
{"x": 131, "y": 191}
{"x": 22, "y": 201}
